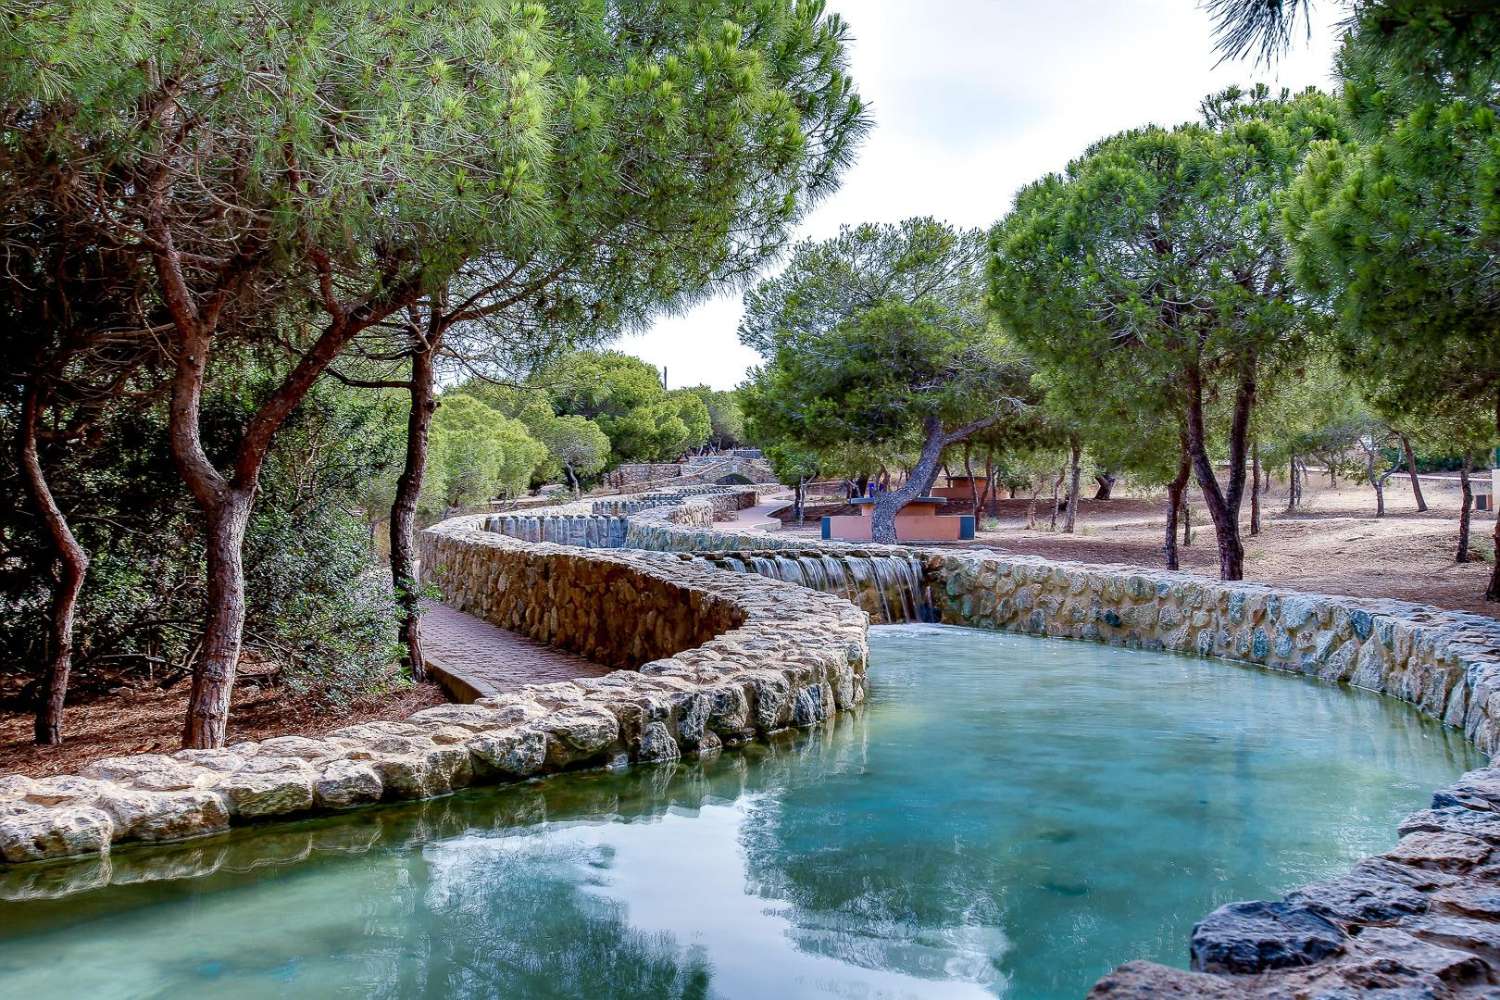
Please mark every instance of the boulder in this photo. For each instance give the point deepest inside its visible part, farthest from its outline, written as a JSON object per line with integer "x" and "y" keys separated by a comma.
{"x": 1388, "y": 958}
{"x": 1482, "y": 824}
{"x": 269, "y": 786}
{"x": 344, "y": 783}
{"x": 1476, "y": 790}
{"x": 149, "y": 772}
{"x": 1254, "y": 937}
{"x": 31, "y": 832}
{"x": 517, "y": 753}
{"x": 1149, "y": 981}
{"x": 64, "y": 789}
{"x": 657, "y": 744}
{"x": 1359, "y": 898}
{"x": 146, "y": 815}
{"x": 584, "y": 730}
{"x": 1443, "y": 851}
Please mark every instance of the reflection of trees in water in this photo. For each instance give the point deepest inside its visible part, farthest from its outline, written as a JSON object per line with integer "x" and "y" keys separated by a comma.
{"x": 861, "y": 878}
{"x": 498, "y": 920}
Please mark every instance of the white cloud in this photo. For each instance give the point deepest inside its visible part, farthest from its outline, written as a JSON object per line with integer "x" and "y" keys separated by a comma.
{"x": 973, "y": 99}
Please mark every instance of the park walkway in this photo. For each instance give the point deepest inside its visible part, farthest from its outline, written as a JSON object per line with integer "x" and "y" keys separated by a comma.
{"x": 474, "y": 659}
{"x": 761, "y": 517}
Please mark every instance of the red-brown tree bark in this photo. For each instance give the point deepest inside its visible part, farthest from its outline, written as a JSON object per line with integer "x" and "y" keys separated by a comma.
{"x": 1223, "y": 502}
{"x": 404, "y": 507}
{"x": 1465, "y": 510}
{"x": 73, "y": 564}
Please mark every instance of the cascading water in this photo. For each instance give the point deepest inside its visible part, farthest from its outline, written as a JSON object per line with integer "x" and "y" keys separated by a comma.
{"x": 889, "y": 586}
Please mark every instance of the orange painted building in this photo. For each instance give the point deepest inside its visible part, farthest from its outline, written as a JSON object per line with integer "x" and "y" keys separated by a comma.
{"x": 958, "y": 488}
{"x": 918, "y": 521}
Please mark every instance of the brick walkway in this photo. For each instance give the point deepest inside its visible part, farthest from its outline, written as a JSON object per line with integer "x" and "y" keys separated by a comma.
{"x": 474, "y": 658}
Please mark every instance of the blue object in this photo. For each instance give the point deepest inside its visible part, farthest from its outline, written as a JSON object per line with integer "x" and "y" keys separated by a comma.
{"x": 965, "y": 527}
{"x": 827, "y": 527}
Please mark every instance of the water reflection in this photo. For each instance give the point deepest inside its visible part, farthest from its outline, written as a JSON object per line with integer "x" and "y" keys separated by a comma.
{"x": 1008, "y": 817}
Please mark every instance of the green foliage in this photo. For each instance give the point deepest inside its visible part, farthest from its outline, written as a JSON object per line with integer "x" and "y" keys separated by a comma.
{"x": 624, "y": 396}
{"x": 316, "y": 610}
{"x": 576, "y": 445}
{"x": 1398, "y": 231}
{"x": 726, "y": 418}
{"x": 792, "y": 463}
{"x": 872, "y": 334}
{"x": 1157, "y": 252}
{"x": 476, "y": 453}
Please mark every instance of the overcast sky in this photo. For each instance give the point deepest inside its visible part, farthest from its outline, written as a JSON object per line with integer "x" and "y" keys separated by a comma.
{"x": 973, "y": 99}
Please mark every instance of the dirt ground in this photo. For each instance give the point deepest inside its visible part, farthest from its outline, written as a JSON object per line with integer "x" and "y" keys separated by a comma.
{"x": 150, "y": 721}
{"x": 1333, "y": 544}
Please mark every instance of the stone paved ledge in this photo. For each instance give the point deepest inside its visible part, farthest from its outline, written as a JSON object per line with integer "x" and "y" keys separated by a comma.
{"x": 707, "y": 658}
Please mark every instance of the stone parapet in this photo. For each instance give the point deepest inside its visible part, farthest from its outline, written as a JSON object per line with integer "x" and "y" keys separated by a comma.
{"x": 707, "y": 659}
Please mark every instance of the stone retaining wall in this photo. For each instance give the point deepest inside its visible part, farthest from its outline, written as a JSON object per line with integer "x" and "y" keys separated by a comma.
{"x": 721, "y": 657}
{"x": 726, "y": 498}
{"x": 635, "y": 475}
{"x": 589, "y": 531}
{"x": 602, "y": 524}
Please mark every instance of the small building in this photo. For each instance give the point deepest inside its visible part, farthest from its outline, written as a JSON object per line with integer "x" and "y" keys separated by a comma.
{"x": 1484, "y": 491}
{"x": 962, "y": 488}
{"x": 918, "y": 521}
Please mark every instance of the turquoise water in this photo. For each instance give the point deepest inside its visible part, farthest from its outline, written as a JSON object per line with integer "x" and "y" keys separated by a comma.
{"x": 1009, "y": 816}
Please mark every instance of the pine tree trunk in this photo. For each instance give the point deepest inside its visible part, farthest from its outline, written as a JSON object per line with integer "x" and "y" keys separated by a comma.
{"x": 969, "y": 472}
{"x": 1223, "y": 503}
{"x": 1255, "y": 488}
{"x": 73, "y": 564}
{"x": 404, "y": 508}
{"x": 1293, "y": 489}
{"x": 1492, "y": 592}
{"x": 1106, "y": 482}
{"x": 923, "y": 474}
{"x": 991, "y": 499}
{"x": 219, "y": 654}
{"x": 1187, "y": 522}
{"x": 1175, "y": 490}
{"x": 1377, "y": 482}
{"x": 1411, "y": 471}
{"x": 1073, "y": 489}
{"x": 1062, "y": 474}
{"x": 1465, "y": 510}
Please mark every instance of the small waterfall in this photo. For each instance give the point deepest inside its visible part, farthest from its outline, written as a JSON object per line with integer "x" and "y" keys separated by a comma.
{"x": 889, "y": 587}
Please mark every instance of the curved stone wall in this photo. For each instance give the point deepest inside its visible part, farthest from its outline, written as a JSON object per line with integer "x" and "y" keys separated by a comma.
{"x": 721, "y": 657}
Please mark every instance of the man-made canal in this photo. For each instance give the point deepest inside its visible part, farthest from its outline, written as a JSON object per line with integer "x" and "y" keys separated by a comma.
{"x": 1008, "y": 816}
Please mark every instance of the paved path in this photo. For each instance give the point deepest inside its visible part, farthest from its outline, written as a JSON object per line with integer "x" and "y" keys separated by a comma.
{"x": 474, "y": 659}
{"x": 759, "y": 517}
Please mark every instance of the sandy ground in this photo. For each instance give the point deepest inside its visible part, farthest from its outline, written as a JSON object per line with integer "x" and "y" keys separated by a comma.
{"x": 1333, "y": 544}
